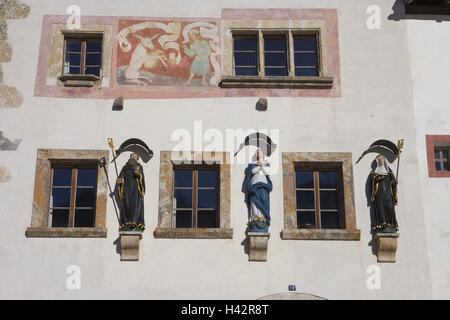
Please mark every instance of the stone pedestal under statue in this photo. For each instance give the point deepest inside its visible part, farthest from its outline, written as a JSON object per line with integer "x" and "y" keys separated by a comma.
{"x": 258, "y": 245}
{"x": 386, "y": 246}
{"x": 129, "y": 245}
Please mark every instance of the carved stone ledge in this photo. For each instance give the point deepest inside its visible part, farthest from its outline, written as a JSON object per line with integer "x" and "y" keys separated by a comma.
{"x": 386, "y": 246}
{"x": 258, "y": 245}
{"x": 321, "y": 234}
{"x": 47, "y": 232}
{"x": 277, "y": 82}
{"x": 129, "y": 245}
{"x": 193, "y": 233}
{"x": 79, "y": 80}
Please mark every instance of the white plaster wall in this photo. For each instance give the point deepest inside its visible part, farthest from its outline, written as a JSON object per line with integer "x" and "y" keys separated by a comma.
{"x": 428, "y": 43}
{"x": 376, "y": 103}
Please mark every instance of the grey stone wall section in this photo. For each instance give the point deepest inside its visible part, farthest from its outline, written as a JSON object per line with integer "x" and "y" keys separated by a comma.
{"x": 10, "y": 97}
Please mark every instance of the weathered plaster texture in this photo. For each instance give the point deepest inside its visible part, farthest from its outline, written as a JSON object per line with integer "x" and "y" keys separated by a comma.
{"x": 10, "y": 97}
{"x": 7, "y": 144}
{"x": 5, "y": 176}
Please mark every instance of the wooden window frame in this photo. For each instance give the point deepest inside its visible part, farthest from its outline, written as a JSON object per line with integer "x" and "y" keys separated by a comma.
{"x": 317, "y": 167}
{"x": 73, "y": 188}
{"x": 292, "y": 161}
{"x": 432, "y": 142}
{"x": 82, "y": 79}
{"x": 441, "y": 159}
{"x": 172, "y": 159}
{"x": 48, "y": 158}
{"x": 195, "y": 188}
{"x": 291, "y": 80}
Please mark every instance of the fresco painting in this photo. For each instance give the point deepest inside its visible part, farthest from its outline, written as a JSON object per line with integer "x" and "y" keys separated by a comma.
{"x": 168, "y": 53}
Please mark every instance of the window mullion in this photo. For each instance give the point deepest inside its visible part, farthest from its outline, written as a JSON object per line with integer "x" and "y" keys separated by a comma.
{"x": 317, "y": 199}
{"x": 83, "y": 56}
{"x": 72, "y": 198}
{"x": 194, "y": 200}
{"x": 260, "y": 49}
{"x": 290, "y": 53}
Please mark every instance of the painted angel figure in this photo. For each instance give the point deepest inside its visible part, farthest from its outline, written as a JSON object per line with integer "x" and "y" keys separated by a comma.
{"x": 258, "y": 187}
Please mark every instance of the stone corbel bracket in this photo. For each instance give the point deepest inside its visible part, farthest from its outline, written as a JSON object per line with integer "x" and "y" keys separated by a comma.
{"x": 386, "y": 246}
{"x": 129, "y": 245}
{"x": 258, "y": 245}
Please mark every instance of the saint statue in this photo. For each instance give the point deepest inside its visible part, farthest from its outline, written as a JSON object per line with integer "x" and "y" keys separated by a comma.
{"x": 257, "y": 188}
{"x": 131, "y": 188}
{"x": 383, "y": 197}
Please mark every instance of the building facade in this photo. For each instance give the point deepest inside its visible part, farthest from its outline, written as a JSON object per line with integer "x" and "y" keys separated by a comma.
{"x": 323, "y": 79}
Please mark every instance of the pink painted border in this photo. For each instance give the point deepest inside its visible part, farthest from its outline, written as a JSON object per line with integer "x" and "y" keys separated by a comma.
{"x": 430, "y": 142}
{"x": 135, "y": 92}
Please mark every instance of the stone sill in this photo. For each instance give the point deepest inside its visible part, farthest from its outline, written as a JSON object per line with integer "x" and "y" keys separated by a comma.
{"x": 46, "y": 232}
{"x": 325, "y": 234}
{"x": 193, "y": 233}
{"x": 277, "y": 82}
{"x": 79, "y": 80}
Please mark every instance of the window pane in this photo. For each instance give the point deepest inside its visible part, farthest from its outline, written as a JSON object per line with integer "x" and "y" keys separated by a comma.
{"x": 305, "y": 200}
{"x": 305, "y": 44}
{"x": 206, "y": 219}
{"x": 247, "y": 43}
{"x": 275, "y": 72}
{"x": 328, "y": 179}
{"x": 73, "y": 45}
{"x": 85, "y": 198}
{"x": 62, "y": 177}
{"x": 73, "y": 59}
{"x": 437, "y": 154}
{"x": 245, "y": 59}
{"x": 93, "y": 46}
{"x": 183, "y": 198}
{"x": 328, "y": 199}
{"x": 275, "y": 59}
{"x": 61, "y": 197}
{"x": 274, "y": 44}
{"x": 207, "y": 178}
{"x": 93, "y": 59}
{"x": 92, "y": 70}
{"x": 60, "y": 218}
{"x": 309, "y": 72}
{"x": 444, "y": 153}
{"x": 304, "y": 179}
{"x": 87, "y": 177}
{"x": 305, "y": 59}
{"x": 207, "y": 199}
{"x": 245, "y": 72}
{"x": 84, "y": 218}
{"x": 445, "y": 168}
{"x": 183, "y": 219}
{"x": 74, "y": 70}
{"x": 329, "y": 220}
{"x": 306, "y": 220}
{"x": 438, "y": 165}
{"x": 183, "y": 178}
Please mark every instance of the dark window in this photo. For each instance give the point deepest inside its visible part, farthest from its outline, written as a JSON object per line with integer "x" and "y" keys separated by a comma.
{"x": 441, "y": 159}
{"x": 275, "y": 56}
{"x": 318, "y": 198}
{"x": 245, "y": 56}
{"x": 196, "y": 197}
{"x": 305, "y": 55}
{"x": 82, "y": 56}
{"x": 72, "y": 202}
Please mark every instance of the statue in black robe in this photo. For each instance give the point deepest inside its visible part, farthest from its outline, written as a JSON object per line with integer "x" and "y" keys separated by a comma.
{"x": 382, "y": 191}
{"x": 131, "y": 189}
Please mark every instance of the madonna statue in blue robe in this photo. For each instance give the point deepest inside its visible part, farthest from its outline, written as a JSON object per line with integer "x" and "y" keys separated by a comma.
{"x": 257, "y": 189}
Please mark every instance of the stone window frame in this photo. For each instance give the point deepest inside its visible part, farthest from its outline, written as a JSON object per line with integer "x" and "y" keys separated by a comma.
{"x": 265, "y": 27}
{"x": 433, "y": 141}
{"x": 59, "y": 32}
{"x": 290, "y": 231}
{"x": 80, "y": 80}
{"x": 169, "y": 159}
{"x": 41, "y": 201}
